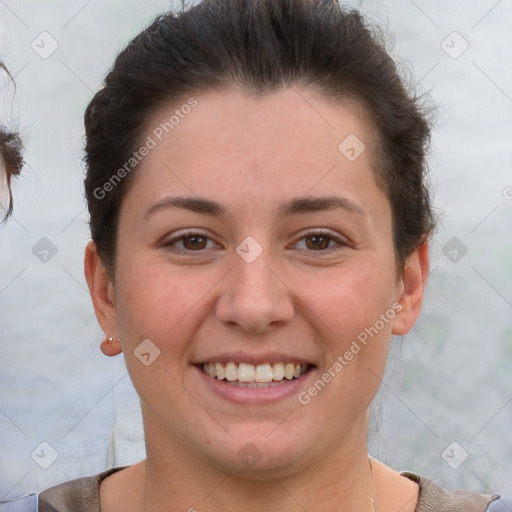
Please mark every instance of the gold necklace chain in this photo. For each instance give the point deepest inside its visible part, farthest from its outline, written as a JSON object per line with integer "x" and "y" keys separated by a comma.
{"x": 371, "y": 484}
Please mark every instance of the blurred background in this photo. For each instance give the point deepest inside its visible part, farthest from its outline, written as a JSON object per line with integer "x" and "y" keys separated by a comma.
{"x": 444, "y": 409}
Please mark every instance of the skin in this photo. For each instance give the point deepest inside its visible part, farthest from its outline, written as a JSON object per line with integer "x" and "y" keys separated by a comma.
{"x": 251, "y": 155}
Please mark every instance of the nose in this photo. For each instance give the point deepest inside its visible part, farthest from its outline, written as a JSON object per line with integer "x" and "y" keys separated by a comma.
{"x": 254, "y": 298}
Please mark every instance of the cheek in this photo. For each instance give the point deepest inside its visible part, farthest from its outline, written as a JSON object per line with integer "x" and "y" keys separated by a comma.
{"x": 354, "y": 340}
{"x": 350, "y": 330}
{"x": 163, "y": 306}
{"x": 156, "y": 302}
{"x": 349, "y": 300}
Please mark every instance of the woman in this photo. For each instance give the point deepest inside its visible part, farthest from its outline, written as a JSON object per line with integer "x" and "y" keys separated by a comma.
{"x": 11, "y": 162}
{"x": 260, "y": 227}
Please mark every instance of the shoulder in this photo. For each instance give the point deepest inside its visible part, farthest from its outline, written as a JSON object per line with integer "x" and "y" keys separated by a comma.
{"x": 435, "y": 498}
{"x": 81, "y": 495}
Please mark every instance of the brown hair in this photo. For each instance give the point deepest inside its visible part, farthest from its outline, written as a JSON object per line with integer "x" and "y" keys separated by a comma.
{"x": 263, "y": 45}
{"x": 11, "y": 160}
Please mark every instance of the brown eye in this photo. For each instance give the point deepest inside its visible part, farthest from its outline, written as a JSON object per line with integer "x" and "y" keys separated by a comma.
{"x": 189, "y": 242}
{"x": 194, "y": 242}
{"x": 321, "y": 242}
{"x": 317, "y": 242}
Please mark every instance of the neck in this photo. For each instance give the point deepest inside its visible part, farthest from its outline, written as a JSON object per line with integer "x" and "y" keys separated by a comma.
{"x": 339, "y": 480}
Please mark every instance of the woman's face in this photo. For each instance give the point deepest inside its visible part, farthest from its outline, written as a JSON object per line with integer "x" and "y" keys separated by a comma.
{"x": 250, "y": 236}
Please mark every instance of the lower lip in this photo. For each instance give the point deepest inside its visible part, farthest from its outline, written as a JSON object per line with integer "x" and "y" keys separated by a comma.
{"x": 254, "y": 395}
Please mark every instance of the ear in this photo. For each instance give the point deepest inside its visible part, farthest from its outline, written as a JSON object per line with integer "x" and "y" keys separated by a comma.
{"x": 102, "y": 293}
{"x": 412, "y": 289}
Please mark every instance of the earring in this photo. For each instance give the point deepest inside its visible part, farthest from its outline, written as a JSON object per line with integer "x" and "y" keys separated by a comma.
{"x": 108, "y": 348}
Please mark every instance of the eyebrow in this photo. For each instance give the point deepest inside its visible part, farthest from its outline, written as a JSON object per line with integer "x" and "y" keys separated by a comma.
{"x": 297, "y": 205}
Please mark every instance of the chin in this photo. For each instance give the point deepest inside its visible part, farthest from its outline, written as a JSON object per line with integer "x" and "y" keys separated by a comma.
{"x": 254, "y": 451}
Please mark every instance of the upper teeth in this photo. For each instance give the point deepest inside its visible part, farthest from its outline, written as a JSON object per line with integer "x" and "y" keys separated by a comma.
{"x": 244, "y": 372}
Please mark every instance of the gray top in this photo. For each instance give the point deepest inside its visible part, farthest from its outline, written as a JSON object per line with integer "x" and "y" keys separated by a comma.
{"x": 82, "y": 495}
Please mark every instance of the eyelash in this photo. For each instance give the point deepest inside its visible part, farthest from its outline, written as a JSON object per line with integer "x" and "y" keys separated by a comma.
{"x": 309, "y": 234}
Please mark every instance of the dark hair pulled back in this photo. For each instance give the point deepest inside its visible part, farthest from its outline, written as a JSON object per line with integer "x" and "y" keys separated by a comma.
{"x": 262, "y": 45}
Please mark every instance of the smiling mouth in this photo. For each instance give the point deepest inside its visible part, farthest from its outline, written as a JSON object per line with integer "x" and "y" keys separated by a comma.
{"x": 255, "y": 376}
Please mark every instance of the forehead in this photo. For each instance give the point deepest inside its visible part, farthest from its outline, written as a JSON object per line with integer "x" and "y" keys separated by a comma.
{"x": 236, "y": 118}
{"x": 239, "y": 146}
